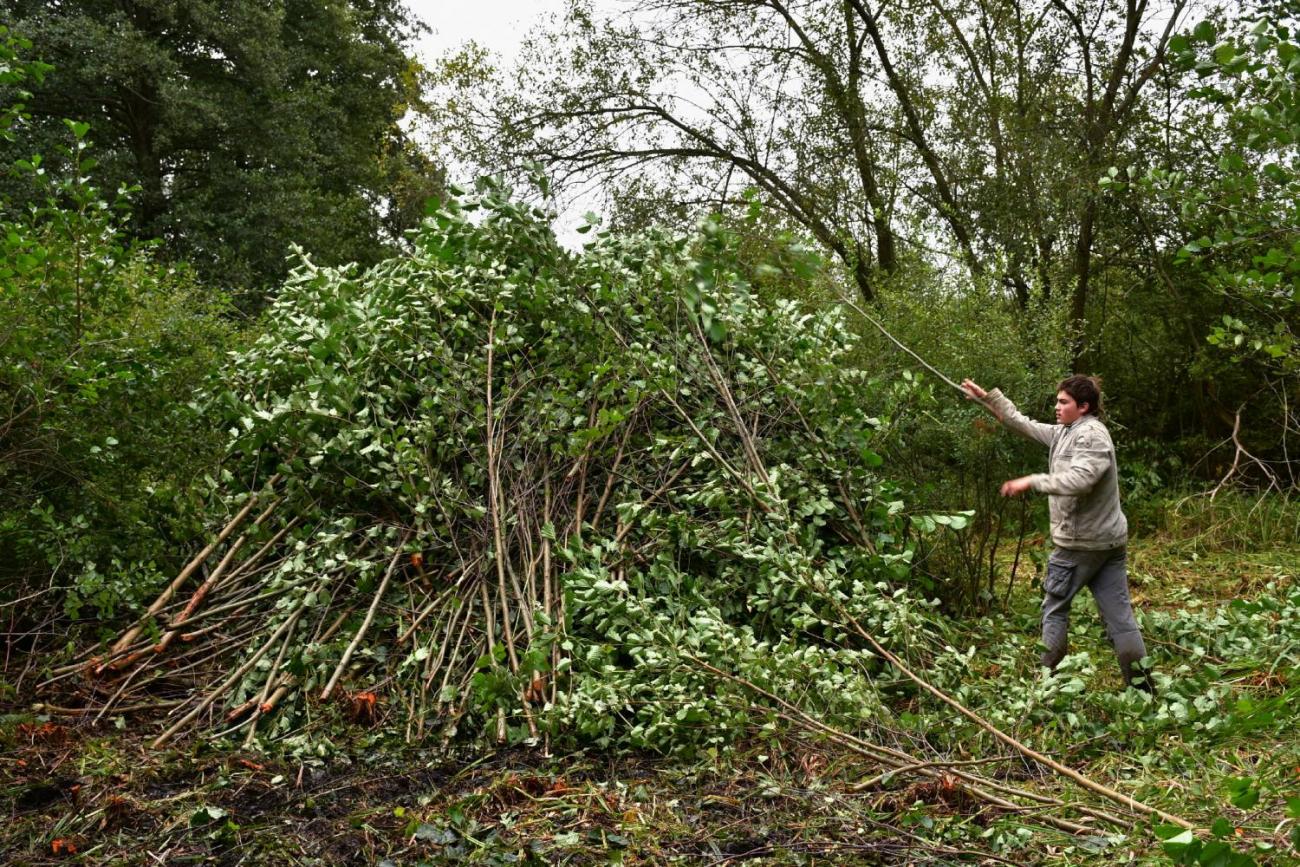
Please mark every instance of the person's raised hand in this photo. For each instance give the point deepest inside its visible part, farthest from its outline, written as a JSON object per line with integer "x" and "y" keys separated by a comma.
{"x": 973, "y": 391}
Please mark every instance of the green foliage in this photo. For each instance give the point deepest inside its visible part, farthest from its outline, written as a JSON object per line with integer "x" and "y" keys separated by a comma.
{"x": 1184, "y": 847}
{"x": 1248, "y": 243}
{"x": 101, "y": 350}
{"x": 16, "y": 71}
{"x": 616, "y": 377}
{"x": 1235, "y": 259}
{"x": 248, "y": 126}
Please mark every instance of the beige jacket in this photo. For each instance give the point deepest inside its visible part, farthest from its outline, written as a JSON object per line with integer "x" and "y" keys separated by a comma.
{"x": 1082, "y": 482}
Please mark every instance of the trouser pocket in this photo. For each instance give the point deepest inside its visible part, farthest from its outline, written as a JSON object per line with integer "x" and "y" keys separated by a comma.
{"x": 1059, "y": 578}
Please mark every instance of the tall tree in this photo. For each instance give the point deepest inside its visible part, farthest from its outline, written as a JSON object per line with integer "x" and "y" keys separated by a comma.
{"x": 1031, "y": 103}
{"x": 716, "y": 95}
{"x": 974, "y": 128}
{"x": 1113, "y": 78}
{"x": 248, "y": 125}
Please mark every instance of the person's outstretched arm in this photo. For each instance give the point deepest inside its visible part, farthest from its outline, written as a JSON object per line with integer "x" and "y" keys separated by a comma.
{"x": 1005, "y": 411}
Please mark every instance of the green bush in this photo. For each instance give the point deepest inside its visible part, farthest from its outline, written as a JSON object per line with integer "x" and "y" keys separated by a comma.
{"x": 102, "y": 351}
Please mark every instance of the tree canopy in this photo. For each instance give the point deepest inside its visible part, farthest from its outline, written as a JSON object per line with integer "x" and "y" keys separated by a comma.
{"x": 247, "y": 126}
{"x": 974, "y": 128}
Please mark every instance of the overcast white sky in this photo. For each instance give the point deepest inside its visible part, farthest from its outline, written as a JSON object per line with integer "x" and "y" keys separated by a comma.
{"x": 497, "y": 25}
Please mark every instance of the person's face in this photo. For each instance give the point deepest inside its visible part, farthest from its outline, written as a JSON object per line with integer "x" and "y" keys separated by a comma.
{"x": 1067, "y": 411}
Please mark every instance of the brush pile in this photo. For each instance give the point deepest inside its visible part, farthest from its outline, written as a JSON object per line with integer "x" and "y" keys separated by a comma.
{"x": 498, "y": 483}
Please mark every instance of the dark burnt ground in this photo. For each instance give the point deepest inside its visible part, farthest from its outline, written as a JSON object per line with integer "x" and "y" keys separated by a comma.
{"x": 97, "y": 795}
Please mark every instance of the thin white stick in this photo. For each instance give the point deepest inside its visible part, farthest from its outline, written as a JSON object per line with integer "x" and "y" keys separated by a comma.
{"x": 365, "y": 624}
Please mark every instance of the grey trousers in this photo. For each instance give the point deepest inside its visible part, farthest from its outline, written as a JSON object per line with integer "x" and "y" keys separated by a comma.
{"x": 1105, "y": 573}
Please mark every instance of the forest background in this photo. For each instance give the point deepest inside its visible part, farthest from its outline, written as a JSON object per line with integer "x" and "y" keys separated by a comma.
{"x": 257, "y": 341}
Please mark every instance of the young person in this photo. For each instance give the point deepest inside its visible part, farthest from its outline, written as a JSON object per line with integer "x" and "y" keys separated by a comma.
{"x": 1089, "y": 530}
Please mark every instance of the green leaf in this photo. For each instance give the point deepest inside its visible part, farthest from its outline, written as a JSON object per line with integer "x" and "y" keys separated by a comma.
{"x": 1215, "y": 854}
{"x": 427, "y": 833}
{"x": 1243, "y": 793}
{"x": 1205, "y": 32}
{"x": 1232, "y": 162}
{"x": 1176, "y": 844}
{"x": 204, "y": 815}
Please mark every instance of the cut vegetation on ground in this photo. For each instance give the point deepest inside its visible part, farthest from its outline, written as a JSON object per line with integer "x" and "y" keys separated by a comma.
{"x": 1217, "y": 744}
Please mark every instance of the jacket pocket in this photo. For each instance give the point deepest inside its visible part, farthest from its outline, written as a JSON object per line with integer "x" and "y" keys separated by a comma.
{"x": 1058, "y": 579}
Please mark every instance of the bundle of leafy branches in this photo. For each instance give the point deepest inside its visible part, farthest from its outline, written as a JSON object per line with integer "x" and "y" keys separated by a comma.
{"x": 499, "y": 487}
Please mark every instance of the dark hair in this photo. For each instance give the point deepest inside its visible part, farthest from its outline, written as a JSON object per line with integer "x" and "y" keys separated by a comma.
{"x": 1084, "y": 389}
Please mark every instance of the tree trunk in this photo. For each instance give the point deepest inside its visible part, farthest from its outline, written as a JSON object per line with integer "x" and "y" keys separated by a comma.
{"x": 1043, "y": 262}
{"x": 886, "y": 253}
{"x": 1082, "y": 284}
{"x": 140, "y": 122}
{"x": 947, "y": 206}
{"x": 862, "y": 274}
{"x": 854, "y": 110}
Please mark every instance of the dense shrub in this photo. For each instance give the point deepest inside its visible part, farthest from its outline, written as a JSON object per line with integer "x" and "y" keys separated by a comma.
{"x": 102, "y": 350}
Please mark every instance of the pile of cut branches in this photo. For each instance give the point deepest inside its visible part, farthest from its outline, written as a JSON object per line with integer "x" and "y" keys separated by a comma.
{"x": 498, "y": 482}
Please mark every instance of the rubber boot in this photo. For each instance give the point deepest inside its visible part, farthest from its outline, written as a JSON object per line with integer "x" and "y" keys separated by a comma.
{"x": 1137, "y": 676}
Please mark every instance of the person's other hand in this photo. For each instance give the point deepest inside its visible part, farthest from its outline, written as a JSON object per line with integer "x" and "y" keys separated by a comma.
{"x": 973, "y": 391}
{"x": 1015, "y": 487}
